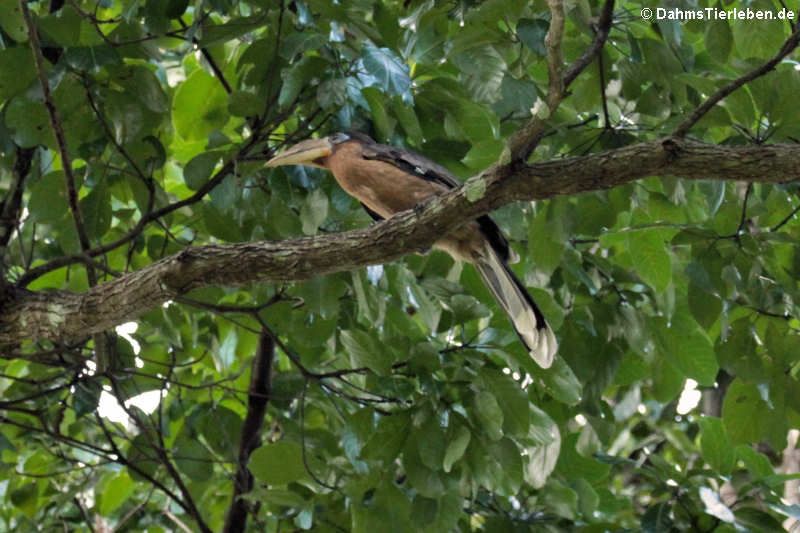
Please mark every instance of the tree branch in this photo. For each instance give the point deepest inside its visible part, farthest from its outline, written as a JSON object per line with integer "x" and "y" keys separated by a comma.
{"x": 10, "y": 207}
{"x": 63, "y": 315}
{"x": 788, "y": 46}
{"x": 257, "y": 399}
{"x": 525, "y": 140}
{"x": 58, "y": 130}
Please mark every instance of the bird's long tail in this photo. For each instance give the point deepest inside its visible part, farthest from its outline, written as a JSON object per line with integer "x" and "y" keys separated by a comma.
{"x": 525, "y": 316}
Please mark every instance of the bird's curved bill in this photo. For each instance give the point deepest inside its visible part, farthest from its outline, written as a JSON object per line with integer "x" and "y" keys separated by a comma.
{"x": 304, "y": 153}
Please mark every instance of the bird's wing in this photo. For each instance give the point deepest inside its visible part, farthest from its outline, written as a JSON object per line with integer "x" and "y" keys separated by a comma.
{"x": 375, "y": 216}
{"x": 424, "y": 168}
{"x": 411, "y": 163}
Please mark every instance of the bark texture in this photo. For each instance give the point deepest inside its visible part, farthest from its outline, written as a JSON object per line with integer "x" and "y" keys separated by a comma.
{"x": 62, "y": 316}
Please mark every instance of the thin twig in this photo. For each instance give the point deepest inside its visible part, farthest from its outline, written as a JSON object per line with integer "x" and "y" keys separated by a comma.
{"x": 600, "y": 37}
{"x": 786, "y": 219}
{"x": 58, "y": 130}
{"x": 210, "y": 59}
{"x": 303, "y": 438}
{"x": 603, "y": 99}
{"x": 525, "y": 140}
{"x": 788, "y": 46}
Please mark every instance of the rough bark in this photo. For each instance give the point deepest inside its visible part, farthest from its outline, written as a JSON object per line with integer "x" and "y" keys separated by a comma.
{"x": 61, "y": 316}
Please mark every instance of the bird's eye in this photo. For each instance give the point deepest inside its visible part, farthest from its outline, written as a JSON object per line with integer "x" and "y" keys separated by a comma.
{"x": 339, "y": 137}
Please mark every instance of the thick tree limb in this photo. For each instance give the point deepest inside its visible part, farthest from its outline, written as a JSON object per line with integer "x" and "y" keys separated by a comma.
{"x": 61, "y": 315}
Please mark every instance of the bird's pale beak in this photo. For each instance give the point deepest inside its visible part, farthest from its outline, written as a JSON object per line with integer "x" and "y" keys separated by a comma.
{"x": 309, "y": 152}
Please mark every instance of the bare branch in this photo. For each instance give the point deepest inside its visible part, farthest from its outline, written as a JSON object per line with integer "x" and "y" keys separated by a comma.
{"x": 600, "y": 38}
{"x": 58, "y": 130}
{"x": 525, "y": 140}
{"x": 10, "y": 207}
{"x": 787, "y": 48}
{"x": 257, "y": 399}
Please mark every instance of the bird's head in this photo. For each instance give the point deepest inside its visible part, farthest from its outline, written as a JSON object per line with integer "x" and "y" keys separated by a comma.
{"x": 311, "y": 152}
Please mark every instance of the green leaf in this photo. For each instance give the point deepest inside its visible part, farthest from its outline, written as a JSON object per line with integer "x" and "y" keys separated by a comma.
{"x": 192, "y": 459}
{"x": 716, "y": 446}
{"x": 561, "y": 499}
{"x": 683, "y": 344}
{"x": 199, "y": 169}
{"x": 278, "y": 463}
{"x": 706, "y": 308}
{"x": 376, "y": 101}
{"x": 245, "y": 104}
{"x": 758, "y": 38}
{"x": 216, "y": 34}
{"x": 573, "y": 465}
{"x": 466, "y": 308}
{"x": 489, "y": 414}
{"x": 48, "y": 200}
{"x": 425, "y": 480}
{"x": 424, "y": 511}
{"x": 517, "y": 96}
{"x": 13, "y": 23}
{"x": 332, "y": 93}
{"x": 476, "y": 121}
{"x": 483, "y": 153}
{"x": 408, "y": 120}
{"x": 91, "y": 58}
{"x": 364, "y": 351}
{"x": 389, "y": 70}
{"x": 532, "y": 33}
{"x": 668, "y": 380}
{"x": 719, "y": 39}
{"x": 756, "y": 462}
{"x": 96, "y": 210}
{"x": 119, "y": 488}
{"x": 561, "y": 382}
{"x": 297, "y": 43}
{"x": 745, "y": 413}
{"x": 431, "y": 443}
{"x": 757, "y": 520}
{"x": 200, "y": 106}
{"x": 86, "y": 397}
{"x": 513, "y": 401}
{"x": 219, "y": 225}
{"x": 142, "y": 83}
{"x": 388, "y": 509}
{"x": 29, "y": 123}
{"x": 298, "y": 77}
{"x": 17, "y": 60}
{"x": 482, "y": 68}
{"x": 389, "y": 437}
{"x": 314, "y": 211}
{"x": 657, "y": 519}
{"x": 649, "y": 254}
{"x": 509, "y": 461}
{"x": 457, "y": 441}
{"x": 542, "y": 460}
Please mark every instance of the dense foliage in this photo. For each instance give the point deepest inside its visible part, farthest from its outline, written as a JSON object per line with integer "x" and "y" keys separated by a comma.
{"x": 396, "y": 397}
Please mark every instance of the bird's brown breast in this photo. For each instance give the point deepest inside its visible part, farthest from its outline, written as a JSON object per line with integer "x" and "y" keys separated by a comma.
{"x": 381, "y": 186}
{"x": 387, "y": 189}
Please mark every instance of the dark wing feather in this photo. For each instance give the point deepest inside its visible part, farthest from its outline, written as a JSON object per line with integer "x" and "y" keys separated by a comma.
{"x": 426, "y": 169}
{"x": 375, "y": 216}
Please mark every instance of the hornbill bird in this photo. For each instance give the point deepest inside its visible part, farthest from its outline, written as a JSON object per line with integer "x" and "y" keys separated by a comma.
{"x": 388, "y": 180}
